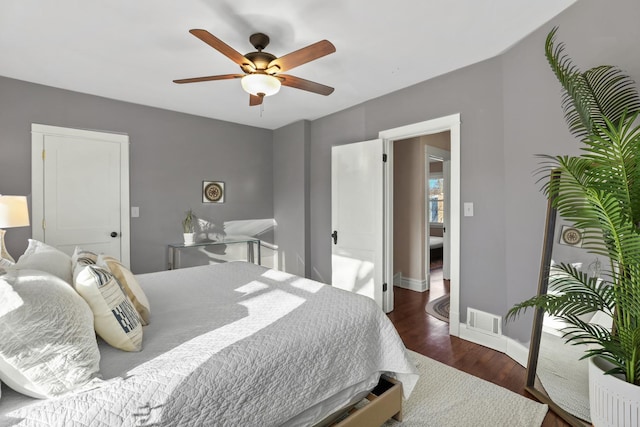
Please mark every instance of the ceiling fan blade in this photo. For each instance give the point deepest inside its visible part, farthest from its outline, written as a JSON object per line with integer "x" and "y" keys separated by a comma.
{"x": 304, "y": 55}
{"x": 255, "y": 100}
{"x": 298, "y": 83}
{"x": 222, "y": 47}
{"x": 210, "y": 78}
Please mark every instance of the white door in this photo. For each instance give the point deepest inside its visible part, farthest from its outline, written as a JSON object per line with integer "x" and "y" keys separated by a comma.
{"x": 446, "y": 241}
{"x": 80, "y": 199}
{"x": 356, "y": 218}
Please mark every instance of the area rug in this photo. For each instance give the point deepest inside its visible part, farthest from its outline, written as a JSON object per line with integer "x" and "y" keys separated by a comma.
{"x": 439, "y": 308}
{"x": 447, "y": 397}
{"x": 563, "y": 375}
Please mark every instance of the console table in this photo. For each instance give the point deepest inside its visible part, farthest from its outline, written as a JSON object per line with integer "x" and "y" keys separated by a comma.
{"x": 176, "y": 248}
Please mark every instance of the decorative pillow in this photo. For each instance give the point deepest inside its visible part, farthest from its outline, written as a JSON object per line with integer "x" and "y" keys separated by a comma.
{"x": 40, "y": 256}
{"x": 116, "y": 319}
{"x": 83, "y": 256}
{"x": 80, "y": 259}
{"x": 6, "y": 263}
{"x": 47, "y": 342}
{"x": 129, "y": 285}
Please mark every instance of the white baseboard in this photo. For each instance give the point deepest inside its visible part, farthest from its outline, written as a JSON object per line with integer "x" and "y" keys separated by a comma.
{"x": 496, "y": 342}
{"x": 418, "y": 285}
{"x": 517, "y": 351}
{"x": 512, "y": 348}
{"x": 397, "y": 279}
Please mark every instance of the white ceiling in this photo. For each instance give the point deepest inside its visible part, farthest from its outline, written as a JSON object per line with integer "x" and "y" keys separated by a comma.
{"x": 131, "y": 50}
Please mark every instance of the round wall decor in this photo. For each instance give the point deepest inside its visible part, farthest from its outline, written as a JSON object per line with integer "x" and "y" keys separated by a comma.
{"x": 212, "y": 192}
{"x": 571, "y": 236}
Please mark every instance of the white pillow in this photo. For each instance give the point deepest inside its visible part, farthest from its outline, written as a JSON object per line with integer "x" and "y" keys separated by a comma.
{"x": 115, "y": 318}
{"x": 40, "y": 256}
{"x": 129, "y": 285}
{"x": 47, "y": 342}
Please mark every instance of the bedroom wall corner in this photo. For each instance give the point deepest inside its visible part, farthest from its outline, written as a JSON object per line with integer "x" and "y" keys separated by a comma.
{"x": 291, "y": 197}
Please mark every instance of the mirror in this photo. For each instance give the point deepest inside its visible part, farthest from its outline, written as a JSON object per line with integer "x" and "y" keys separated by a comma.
{"x": 555, "y": 374}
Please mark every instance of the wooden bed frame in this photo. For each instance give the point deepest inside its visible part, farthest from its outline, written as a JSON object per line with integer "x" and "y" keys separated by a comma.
{"x": 382, "y": 403}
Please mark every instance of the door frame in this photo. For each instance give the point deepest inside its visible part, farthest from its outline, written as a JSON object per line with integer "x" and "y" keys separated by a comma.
{"x": 38, "y": 133}
{"x": 449, "y": 123}
{"x": 446, "y": 175}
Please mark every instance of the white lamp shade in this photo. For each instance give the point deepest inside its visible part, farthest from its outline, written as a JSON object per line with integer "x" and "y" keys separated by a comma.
{"x": 260, "y": 84}
{"x": 14, "y": 211}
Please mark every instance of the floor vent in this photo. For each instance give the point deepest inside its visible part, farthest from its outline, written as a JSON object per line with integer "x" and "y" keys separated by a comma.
{"x": 484, "y": 322}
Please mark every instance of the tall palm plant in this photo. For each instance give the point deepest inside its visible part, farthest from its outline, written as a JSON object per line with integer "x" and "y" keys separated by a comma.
{"x": 598, "y": 191}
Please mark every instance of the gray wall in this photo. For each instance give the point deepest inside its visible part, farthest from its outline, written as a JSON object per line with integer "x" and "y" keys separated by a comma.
{"x": 474, "y": 92}
{"x": 534, "y": 124}
{"x": 291, "y": 196}
{"x": 170, "y": 155}
{"x": 510, "y": 111}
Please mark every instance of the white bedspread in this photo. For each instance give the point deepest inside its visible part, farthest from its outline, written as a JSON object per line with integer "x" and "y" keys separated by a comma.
{"x": 231, "y": 344}
{"x": 435, "y": 242}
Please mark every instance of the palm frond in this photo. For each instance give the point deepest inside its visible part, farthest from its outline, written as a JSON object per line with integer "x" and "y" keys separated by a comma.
{"x": 586, "y": 333}
{"x": 591, "y": 96}
{"x": 571, "y": 293}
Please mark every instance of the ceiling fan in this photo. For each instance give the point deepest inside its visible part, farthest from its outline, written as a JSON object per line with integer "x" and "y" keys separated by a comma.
{"x": 262, "y": 70}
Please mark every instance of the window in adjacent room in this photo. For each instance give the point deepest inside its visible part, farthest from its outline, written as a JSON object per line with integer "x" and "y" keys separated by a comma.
{"x": 436, "y": 199}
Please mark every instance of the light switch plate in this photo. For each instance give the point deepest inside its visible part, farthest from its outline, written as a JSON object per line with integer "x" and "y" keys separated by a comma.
{"x": 135, "y": 211}
{"x": 468, "y": 208}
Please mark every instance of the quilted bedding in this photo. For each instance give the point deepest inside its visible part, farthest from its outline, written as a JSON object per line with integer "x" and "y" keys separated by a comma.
{"x": 233, "y": 344}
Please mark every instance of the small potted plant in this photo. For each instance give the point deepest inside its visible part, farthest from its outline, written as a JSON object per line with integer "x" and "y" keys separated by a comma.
{"x": 188, "y": 228}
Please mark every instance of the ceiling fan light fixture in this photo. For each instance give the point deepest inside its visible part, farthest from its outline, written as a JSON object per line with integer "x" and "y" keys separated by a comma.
{"x": 264, "y": 84}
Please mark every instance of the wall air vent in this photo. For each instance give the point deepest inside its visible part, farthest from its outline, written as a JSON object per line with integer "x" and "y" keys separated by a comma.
{"x": 484, "y": 322}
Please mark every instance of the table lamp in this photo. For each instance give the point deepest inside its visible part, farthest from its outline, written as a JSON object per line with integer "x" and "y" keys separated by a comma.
{"x": 14, "y": 212}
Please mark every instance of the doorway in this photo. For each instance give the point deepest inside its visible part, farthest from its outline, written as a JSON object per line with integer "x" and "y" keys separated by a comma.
{"x": 420, "y": 209}
{"x": 444, "y": 124}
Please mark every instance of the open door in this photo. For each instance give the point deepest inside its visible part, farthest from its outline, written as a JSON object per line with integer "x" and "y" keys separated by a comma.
{"x": 357, "y": 218}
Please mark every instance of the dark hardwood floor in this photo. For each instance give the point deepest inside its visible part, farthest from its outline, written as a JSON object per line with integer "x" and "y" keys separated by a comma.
{"x": 429, "y": 336}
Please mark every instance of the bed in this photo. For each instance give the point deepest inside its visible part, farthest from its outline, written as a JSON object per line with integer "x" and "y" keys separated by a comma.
{"x": 435, "y": 242}
{"x": 233, "y": 344}
{"x": 436, "y": 251}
